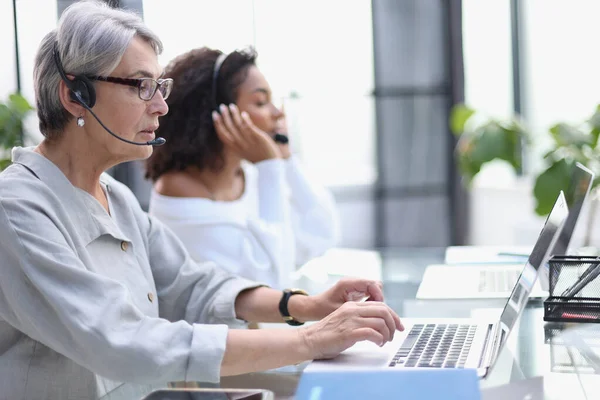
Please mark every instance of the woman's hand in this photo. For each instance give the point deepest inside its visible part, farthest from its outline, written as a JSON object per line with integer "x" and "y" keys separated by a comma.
{"x": 313, "y": 308}
{"x": 351, "y": 323}
{"x": 237, "y": 131}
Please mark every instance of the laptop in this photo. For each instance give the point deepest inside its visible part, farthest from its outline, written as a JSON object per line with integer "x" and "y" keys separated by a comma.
{"x": 454, "y": 343}
{"x": 494, "y": 280}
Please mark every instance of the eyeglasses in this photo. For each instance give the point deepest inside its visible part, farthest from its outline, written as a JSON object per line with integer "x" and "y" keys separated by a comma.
{"x": 147, "y": 87}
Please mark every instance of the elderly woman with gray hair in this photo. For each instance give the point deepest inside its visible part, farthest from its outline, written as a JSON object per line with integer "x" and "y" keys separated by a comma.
{"x": 93, "y": 290}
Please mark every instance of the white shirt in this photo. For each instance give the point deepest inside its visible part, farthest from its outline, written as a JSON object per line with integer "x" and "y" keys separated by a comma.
{"x": 88, "y": 299}
{"x": 281, "y": 221}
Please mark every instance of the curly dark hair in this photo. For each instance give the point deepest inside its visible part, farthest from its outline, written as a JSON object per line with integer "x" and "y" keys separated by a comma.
{"x": 188, "y": 127}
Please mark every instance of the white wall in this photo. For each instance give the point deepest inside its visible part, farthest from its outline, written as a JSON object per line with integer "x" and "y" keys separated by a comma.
{"x": 502, "y": 214}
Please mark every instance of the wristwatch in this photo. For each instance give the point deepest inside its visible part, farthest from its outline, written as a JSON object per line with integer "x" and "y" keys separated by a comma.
{"x": 283, "y": 306}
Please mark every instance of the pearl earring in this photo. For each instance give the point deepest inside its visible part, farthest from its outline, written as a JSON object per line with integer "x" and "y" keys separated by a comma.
{"x": 80, "y": 121}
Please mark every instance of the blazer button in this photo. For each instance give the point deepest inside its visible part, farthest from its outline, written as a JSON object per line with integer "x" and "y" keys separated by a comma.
{"x": 124, "y": 245}
{"x": 151, "y": 297}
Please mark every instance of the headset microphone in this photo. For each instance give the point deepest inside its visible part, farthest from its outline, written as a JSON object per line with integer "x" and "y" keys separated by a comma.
{"x": 155, "y": 142}
{"x": 281, "y": 138}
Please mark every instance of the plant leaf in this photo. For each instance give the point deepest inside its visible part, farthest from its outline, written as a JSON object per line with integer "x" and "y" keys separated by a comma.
{"x": 12, "y": 114}
{"x": 459, "y": 115}
{"x": 486, "y": 143}
{"x": 594, "y": 120}
{"x": 496, "y": 142}
{"x": 4, "y": 163}
{"x": 4, "y": 114}
{"x": 595, "y": 132}
{"x": 549, "y": 183}
{"x": 567, "y": 135}
{"x": 19, "y": 104}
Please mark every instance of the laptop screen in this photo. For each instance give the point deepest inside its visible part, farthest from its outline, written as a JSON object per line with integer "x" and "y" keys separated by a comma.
{"x": 540, "y": 255}
{"x": 577, "y": 192}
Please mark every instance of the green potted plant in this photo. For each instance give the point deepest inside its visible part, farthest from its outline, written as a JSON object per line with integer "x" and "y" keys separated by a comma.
{"x": 483, "y": 140}
{"x": 12, "y": 115}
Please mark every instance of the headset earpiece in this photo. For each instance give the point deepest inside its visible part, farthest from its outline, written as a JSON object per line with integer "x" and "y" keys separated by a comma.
{"x": 79, "y": 84}
{"x": 86, "y": 90}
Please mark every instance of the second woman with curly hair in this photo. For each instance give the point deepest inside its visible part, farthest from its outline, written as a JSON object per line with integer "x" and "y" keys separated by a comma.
{"x": 225, "y": 187}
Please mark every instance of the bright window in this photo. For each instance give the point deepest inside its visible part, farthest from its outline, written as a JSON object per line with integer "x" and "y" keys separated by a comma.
{"x": 8, "y": 81}
{"x": 488, "y": 70}
{"x": 34, "y": 20}
{"x": 561, "y": 78}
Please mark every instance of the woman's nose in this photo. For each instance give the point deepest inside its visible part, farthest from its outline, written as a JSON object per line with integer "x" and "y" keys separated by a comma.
{"x": 277, "y": 112}
{"x": 158, "y": 105}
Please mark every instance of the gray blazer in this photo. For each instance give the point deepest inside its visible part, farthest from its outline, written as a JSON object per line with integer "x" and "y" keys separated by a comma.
{"x": 89, "y": 300}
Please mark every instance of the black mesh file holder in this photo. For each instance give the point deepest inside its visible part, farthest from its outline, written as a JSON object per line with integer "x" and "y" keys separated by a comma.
{"x": 574, "y": 289}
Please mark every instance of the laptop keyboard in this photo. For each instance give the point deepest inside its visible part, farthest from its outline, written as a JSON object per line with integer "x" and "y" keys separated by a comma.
{"x": 435, "y": 346}
{"x": 501, "y": 280}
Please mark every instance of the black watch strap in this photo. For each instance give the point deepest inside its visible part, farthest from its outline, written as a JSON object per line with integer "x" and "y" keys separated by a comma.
{"x": 283, "y": 306}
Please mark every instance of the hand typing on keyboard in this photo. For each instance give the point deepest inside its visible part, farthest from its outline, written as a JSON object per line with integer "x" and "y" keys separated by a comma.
{"x": 345, "y": 290}
{"x": 352, "y": 322}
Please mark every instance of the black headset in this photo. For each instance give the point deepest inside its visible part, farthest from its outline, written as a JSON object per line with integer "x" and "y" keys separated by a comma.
{"x": 82, "y": 89}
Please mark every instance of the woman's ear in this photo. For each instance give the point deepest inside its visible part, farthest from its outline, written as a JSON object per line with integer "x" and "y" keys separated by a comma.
{"x": 72, "y": 106}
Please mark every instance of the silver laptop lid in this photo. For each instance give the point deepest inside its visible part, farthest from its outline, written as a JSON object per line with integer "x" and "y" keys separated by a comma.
{"x": 540, "y": 255}
{"x": 576, "y": 194}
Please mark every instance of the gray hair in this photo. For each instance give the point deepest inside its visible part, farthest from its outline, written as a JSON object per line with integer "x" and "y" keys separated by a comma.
{"x": 91, "y": 38}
